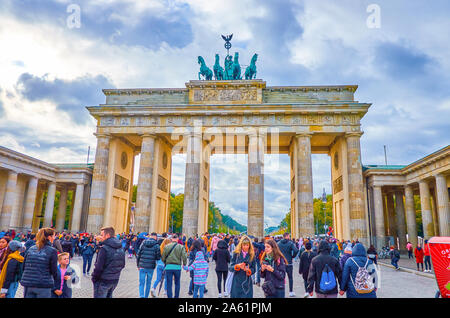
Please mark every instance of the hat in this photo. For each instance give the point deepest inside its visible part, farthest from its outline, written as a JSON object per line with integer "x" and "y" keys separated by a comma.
{"x": 348, "y": 250}
{"x": 14, "y": 245}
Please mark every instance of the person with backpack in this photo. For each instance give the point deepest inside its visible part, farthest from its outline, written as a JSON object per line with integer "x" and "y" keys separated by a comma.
{"x": 395, "y": 256}
{"x": 305, "y": 261}
{"x": 289, "y": 250}
{"x": 418, "y": 253}
{"x": 108, "y": 265}
{"x": 200, "y": 270}
{"x": 147, "y": 256}
{"x": 11, "y": 268}
{"x": 273, "y": 270}
{"x": 323, "y": 273}
{"x": 173, "y": 256}
{"x": 222, "y": 258}
{"x": 357, "y": 279}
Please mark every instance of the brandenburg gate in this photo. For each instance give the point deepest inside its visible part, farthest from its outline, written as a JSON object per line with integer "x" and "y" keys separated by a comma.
{"x": 209, "y": 117}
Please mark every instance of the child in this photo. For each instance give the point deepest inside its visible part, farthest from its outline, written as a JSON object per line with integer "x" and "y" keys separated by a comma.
{"x": 200, "y": 268}
{"x": 63, "y": 288}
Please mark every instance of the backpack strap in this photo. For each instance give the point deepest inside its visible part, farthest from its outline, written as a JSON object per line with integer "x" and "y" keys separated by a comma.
{"x": 355, "y": 263}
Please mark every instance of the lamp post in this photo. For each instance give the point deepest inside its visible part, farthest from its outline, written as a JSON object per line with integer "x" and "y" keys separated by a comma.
{"x": 324, "y": 201}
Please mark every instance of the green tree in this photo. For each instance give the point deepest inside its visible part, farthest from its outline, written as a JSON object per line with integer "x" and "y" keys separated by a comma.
{"x": 133, "y": 198}
{"x": 176, "y": 212}
{"x": 319, "y": 206}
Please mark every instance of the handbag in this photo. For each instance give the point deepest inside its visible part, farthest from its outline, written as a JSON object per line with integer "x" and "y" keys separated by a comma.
{"x": 268, "y": 288}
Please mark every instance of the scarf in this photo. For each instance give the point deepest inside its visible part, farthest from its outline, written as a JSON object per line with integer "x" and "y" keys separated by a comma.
{"x": 15, "y": 255}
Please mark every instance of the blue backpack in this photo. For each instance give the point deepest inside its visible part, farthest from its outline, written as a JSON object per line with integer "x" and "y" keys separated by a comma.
{"x": 328, "y": 280}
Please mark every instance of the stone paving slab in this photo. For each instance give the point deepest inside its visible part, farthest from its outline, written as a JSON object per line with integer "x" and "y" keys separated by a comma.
{"x": 394, "y": 284}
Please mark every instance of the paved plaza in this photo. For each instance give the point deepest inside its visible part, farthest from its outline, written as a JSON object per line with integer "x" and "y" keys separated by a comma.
{"x": 394, "y": 283}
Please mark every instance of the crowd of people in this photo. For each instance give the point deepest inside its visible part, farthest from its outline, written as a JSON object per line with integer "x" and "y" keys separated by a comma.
{"x": 41, "y": 264}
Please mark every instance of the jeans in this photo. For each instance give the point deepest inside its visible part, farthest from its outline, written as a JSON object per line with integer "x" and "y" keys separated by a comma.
{"x": 159, "y": 276}
{"x": 410, "y": 254}
{"x": 12, "y": 290}
{"x": 279, "y": 293}
{"x": 173, "y": 274}
{"x": 418, "y": 266}
{"x": 394, "y": 262}
{"x": 221, "y": 274}
{"x": 145, "y": 281}
{"x": 199, "y": 289}
{"x": 35, "y": 292}
{"x": 104, "y": 290}
{"x": 428, "y": 262}
{"x": 258, "y": 271}
{"x": 289, "y": 269}
{"x": 87, "y": 262}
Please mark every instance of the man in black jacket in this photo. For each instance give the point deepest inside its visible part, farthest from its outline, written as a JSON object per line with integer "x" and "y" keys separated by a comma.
{"x": 323, "y": 262}
{"x": 110, "y": 262}
{"x": 289, "y": 250}
{"x": 66, "y": 245}
{"x": 305, "y": 262}
{"x": 147, "y": 256}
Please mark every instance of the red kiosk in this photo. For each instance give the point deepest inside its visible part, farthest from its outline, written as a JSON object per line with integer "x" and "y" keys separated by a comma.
{"x": 440, "y": 256}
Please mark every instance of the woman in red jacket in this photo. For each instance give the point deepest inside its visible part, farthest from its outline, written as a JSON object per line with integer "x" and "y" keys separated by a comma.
{"x": 418, "y": 253}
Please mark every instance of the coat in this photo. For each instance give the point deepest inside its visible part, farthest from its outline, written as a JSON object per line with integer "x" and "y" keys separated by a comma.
{"x": 350, "y": 269}
{"x": 305, "y": 261}
{"x": 419, "y": 253}
{"x": 87, "y": 249}
{"x": 289, "y": 250}
{"x": 278, "y": 274}
{"x": 40, "y": 267}
{"x": 110, "y": 261}
{"x": 199, "y": 268}
{"x": 149, "y": 253}
{"x": 177, "y": 256}
{"x": 242, "y": 285}
{"x": 222, "y": 256}
{"x": 66, "y": 290}
{"x": 318, "y": 264}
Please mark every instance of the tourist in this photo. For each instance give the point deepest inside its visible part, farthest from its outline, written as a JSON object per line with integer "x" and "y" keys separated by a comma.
{"x": 173, "y": 256}
{"x": 160, "y": 270}
{"x": 426, "y": 253}
{"x": 273, "y": 270}
{"x": 147, "y": 256}
{"x": 66, "y": 245}
{"x": 372, "y": 254}
{"x": 409, "y": 248}
{"x": 40, "y": 266}
{"x": 243, "y": 264}
{"x": 10, "y": 268}
{"x": 66, "y": 277}
{"x": 324, "y": 264}
{"x": 108, "y": 265}
{"x": 289, "y": 250}
{"x": 87, "y": 252}
{"x": 200, "y": 269}
{"x": 4, "y": 241}
{"x": 418, "y": 254}
{"x": 395, "y": 257}
{"x": 361, "y": 286}
{"x": 214, "y": 241}
{"x": 222, "y": 258}
{"x": 305, "y": 262}
{"x": 57, "y": 244}
{"x": 198, "y": 245}
{"x": 345, "y": 257}
{"x": 30, "y": 242}
{"x": 334, "y": 251}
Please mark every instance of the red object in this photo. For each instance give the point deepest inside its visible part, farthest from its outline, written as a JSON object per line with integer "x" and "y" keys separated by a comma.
{"x": 440, "y": 256}
{"x": 419, "y": 255}
{"x": 426, "y": 249}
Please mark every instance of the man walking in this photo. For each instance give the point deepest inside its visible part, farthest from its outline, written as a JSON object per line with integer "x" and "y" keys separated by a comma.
{"x": 147, "y": 256}
{"x": 289, "y": 250}
{"x": 110, "y": 262}
{"x": 173, "y": 255}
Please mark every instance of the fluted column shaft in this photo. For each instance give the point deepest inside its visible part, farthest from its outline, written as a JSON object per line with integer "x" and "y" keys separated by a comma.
{"x": 304, "y": 186}
{"x": 30, "y": 203}
{"x": 379, "y": 217}
{"x": 255, "y": 223}
{"x": 77, "y": 206}
{"x": 443, "y": 205}
{"x": 61, "y": 216}
{"x": 400, "y": 218}
{"x": 411, "y": 223}
{"x": 427, "y": 219}
{"x": 9, "y": 200}
{"x": 50, "y": 204}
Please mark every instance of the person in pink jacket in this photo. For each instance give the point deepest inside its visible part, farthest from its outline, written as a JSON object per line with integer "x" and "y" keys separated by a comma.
{"x": 214, "y": 242}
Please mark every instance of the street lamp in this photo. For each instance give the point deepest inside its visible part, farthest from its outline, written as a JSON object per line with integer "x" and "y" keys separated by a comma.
{"x": 324, "y": 201}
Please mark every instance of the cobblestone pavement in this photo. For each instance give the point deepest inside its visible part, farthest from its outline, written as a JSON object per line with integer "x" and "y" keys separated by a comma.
{"x": 393, "y": 284}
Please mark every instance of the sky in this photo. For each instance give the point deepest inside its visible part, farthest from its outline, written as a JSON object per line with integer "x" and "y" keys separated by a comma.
{"x": 53, "y": 65}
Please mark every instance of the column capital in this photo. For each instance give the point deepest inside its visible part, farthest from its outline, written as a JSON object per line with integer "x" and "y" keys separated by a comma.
{"x": 102, "y": 135}
{"x": 303, "y": 134}
{"x": 439, "y": 175}
{"x": 354, "y": 134}
{"x": 148, "y": 135}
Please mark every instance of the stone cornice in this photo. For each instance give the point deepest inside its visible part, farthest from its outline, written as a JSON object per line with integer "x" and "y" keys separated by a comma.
{"x": 142, "y": 91}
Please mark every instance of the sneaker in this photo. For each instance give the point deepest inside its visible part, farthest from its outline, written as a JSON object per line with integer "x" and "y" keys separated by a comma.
{"x": 220, "y": 295}
{"x": 190, "y": 293}
{"x": 291, "y": 294}
{"x": 306, "y": 295}
{"x": 152, "y": 292}
{"x": 398, "y": 268}
{"x": 225, "y": 294}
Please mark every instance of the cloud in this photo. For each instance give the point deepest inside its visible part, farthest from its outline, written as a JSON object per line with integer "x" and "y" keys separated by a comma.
{"x": 70, "y": 96}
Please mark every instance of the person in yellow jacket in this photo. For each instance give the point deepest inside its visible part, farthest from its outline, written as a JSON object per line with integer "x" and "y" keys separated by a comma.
{"x": 10, "y": 269}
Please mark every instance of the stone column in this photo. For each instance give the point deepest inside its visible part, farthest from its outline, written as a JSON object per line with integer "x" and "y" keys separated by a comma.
{"x": 391, "y": 215}
{"x": 304, "y": 186}
{"x": 358, "y": 227}
{"x": 61, "y": 216}
{"x": 379, "y": 217}
{"x": 77, "y": 206}
{"x": 400, "y": 218}
{"x": 98, "y": 190}
{"x": 50, "y": 204}
{"x": 443, "y": 205}
{"x": 30, "y": 202}
{"x": 255, "y": 223}
{"x": 427, "y": 219}
{"x": 38, "y": 209}
{"x": 411, "y": 223}
{"x": 145, "y": 183}
{"x": 192, "y": 184}
{"x": 9, "y": 200}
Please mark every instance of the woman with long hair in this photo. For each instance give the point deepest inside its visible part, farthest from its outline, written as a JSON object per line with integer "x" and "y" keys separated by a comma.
{"x": 10, "y": 267}
{"x": 273, "y": 270}
{"x": 160, "y": 270}
{"x": 4, "y": 241}
{"x": 243, "y": 265}
{"x": 40, "y": 266}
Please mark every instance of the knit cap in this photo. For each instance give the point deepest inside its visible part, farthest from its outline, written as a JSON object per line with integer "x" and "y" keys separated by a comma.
{"x": 14, "y": 245}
